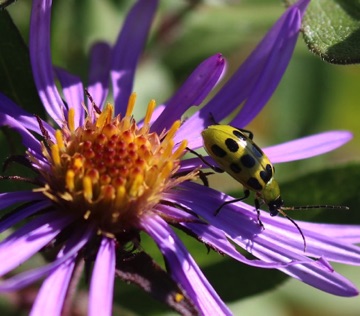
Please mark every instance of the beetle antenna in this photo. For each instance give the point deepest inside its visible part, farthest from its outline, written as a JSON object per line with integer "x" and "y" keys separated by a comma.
{"x": 294, "y": 223}
{"x": 307, "y": 207}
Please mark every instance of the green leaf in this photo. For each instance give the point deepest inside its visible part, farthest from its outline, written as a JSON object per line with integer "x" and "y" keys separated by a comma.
{"x": 16, "y": 79}
{"x": 332, "y": 30}
{"x": 5, "y": 3}
{"x": 335, "y": 186}
{"x": 218, "y": 29}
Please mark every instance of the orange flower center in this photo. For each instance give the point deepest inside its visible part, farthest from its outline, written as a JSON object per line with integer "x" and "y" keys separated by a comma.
{"x": 111, "y": 170}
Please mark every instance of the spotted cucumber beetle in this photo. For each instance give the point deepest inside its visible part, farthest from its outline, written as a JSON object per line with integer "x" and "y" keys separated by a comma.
{"x": 234, "y": 150}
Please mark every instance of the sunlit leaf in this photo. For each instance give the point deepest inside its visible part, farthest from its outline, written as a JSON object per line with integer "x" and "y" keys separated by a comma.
{"x": 332, "y": 30}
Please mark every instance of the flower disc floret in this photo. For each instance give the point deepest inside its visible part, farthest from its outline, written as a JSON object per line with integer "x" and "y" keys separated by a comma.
{"x": 111, "y": 170}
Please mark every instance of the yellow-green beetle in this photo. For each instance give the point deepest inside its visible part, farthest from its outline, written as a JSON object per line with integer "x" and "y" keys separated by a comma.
{"x": 239, "y": 156}
{"x": 235, "y": 152}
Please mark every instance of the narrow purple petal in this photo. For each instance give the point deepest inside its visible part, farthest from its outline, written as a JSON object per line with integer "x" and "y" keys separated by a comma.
{"x": 40, "y": 56}
{"x": 344, "y": 233}
{"x": 11, "y": 198}
{"x": 29, "y": 121}
{"x": 70, "y": 250}
{"x": 214, "y": 237}
{"x": 51, "y": 296}
{"x": 43, "y": 163}
{"x": 128, "y": 49}
{"x": 183, "y": 268}
{"x": 73, "y": 91}
{"x": 217, "y": 239}
{"x": 321, "y": 239}
{"x": 255, "y": 80}
{"x": 175, "y": 213}
{"x": 16, "y": 216}
{"x": 320, "y": 278}
{"x": 284, "y": 35}
{"x": 29, "y": 239}
{"x": 240, "y": 219}
{"x": 315, "y": 273}
{"x": 192, "y": 163}
{"x": 99, "y": 72}
{"x": 280, "y": 241}
{"x": 102, "y": 281}
{"x": 157, "y": 112}
{"x": 307, "y": 147}
{"x": 193, "y": 91}
{"x": 271, "y": 246}
{"x": 28, "y": 139}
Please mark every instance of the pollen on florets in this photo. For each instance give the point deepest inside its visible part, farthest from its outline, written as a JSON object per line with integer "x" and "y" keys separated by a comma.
{"x": 112, "y": 170}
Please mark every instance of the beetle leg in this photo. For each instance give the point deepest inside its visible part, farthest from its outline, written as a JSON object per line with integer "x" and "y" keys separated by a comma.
{"x": 246, "y": 195}
{"x": 257, "y": 206}
{"x": 216, "y": 169}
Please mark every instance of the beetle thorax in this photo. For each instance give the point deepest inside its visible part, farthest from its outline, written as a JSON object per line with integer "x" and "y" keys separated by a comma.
{"x": 271, "y": 192}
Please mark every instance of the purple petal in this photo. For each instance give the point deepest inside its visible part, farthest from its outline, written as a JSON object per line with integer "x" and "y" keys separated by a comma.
{"x": 29, "y": 121}
{"x": 307, "y": 147}
{"x": 327, "y": 281}
{"x": 70, "y": 251}
{"x": 52, "y": 293}
{"x": 316, "y": 273}
{"x": 40, "y": 56}
{"x": 213, "y": 237}
{"x": 128, "y": 49}
{"x": 281, "y": 233}
{"x": 73, "y": 91}
{"x": 23, "y": 212}
{"x": 179, "y": 215}
{"x": 192, "y": 92}
{"x": 157, "y": 112}
{"x": 282, "y": 39}
{"x": 280, "y": 241}
{"x": 275, "y": 246}
{"x": 28, "y": 139}
{"x": 217, "y": 239}
{"x": 183, "y": 268}
{"x": 349, "y": 234}
{"x": 11, "y": 198}
{"x": 102, "y": 281}
{"x": 320, "y": 244}
{"x": 254, "y": 82}
{"x": 99, "y": 72}
{"x": 29, "y": 239}
{"x": 190, "y": 164}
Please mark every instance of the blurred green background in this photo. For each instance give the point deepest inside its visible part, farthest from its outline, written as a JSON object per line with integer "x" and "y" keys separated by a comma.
{"x": 313, "y": 97}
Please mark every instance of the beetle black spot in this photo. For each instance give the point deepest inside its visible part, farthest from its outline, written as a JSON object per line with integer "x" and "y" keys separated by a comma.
{"x": 218, "y": 151}
{"x": 239, "y": 134}
{"x": 248, "y": 161}
{"x": 257, "y": 151}
{"x": 235, "y": 167}
{"x": 254, "y": 184}
{"x": 269, "y": 169}
{"x": 266, "y": 176}
{"x": 232, "y": 145}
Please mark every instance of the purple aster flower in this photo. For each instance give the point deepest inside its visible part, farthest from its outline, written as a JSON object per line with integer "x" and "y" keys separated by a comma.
{"x": 102, "y": 177}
